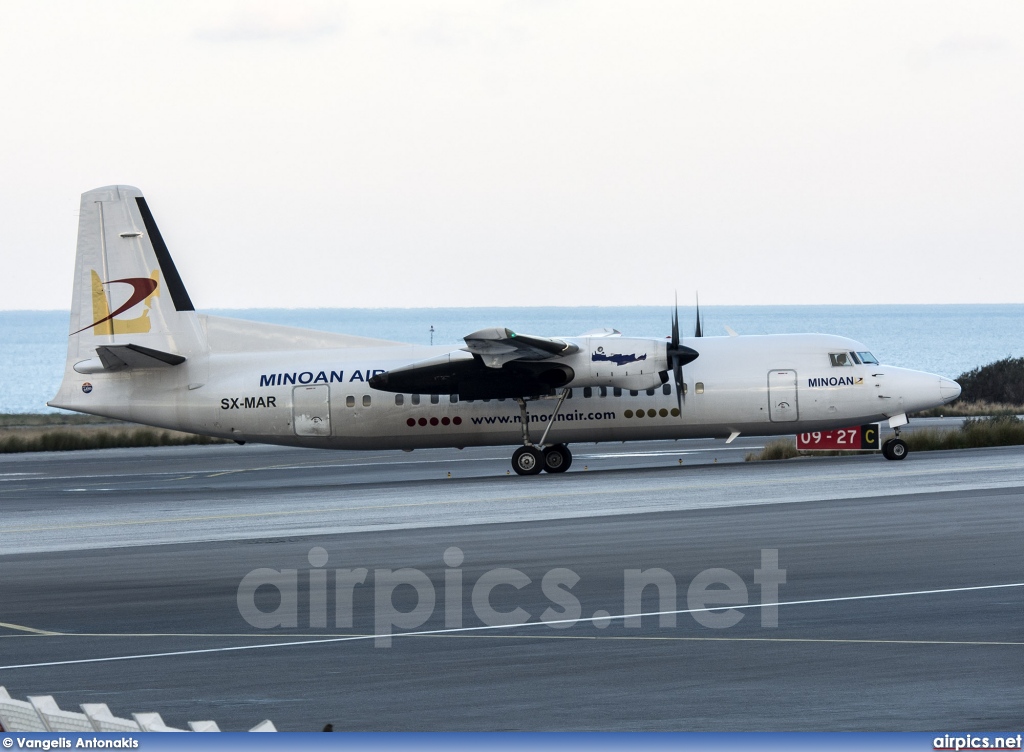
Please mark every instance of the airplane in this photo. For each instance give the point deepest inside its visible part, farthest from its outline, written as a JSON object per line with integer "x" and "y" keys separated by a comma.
{"x": 138, "y": 351}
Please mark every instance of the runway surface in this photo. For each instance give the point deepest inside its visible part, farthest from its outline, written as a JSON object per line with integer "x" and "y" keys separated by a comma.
{"x": 903, "y": 582}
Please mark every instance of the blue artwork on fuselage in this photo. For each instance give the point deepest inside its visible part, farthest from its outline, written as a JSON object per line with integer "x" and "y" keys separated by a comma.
{"x": 619, "y": 359}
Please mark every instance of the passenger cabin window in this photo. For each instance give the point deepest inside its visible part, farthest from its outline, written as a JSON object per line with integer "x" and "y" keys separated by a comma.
{"x": 366, "y": 400}
{"x": 650, "y": 392}
{"x": 434, "y": 399}
{"x": 841, "y": 359}
{"x": 633, "y": 392}
{"x": 604, "y": 391}
{"x": 350, "y": 401}
{"x": 667, "y": 389}
{"x": 399, "y": 399}
{"x": 866, "y": 357}
{"x": 454, "y": 398}
{"x": 617, "y": 391}
{"x": 588, "y": 392}
{"x": 699, "y": 387}
{"x": 415, "y": 399}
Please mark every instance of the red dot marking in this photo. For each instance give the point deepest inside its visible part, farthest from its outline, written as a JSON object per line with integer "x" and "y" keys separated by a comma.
{"x": 423, "y": 421}
{"x": 457, "y": 420}
{"x": 410, "y": 422}
{"x": 433, "y": 421}
{"x": 445, "y": 421}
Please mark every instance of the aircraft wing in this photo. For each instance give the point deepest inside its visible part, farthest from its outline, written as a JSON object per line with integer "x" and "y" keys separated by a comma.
{"x": 495, "y": 363}
{"x": 497, "y": 346}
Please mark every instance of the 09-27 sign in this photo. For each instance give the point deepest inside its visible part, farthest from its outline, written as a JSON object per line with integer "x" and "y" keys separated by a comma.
{"x": 854, "y": 438}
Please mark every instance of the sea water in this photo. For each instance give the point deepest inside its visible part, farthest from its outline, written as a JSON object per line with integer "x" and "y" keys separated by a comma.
{"x": 942, "y": 339}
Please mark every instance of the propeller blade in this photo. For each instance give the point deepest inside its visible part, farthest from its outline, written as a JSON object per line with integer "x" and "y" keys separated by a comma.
{"x": 677, "y": 371}
{"x": 675, "y": 324}
{"x": 677, "y": 355}
{"x": 699, "y": 329}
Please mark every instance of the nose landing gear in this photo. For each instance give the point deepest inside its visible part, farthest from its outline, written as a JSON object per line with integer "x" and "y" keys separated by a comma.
{"x": 895, "y": 448}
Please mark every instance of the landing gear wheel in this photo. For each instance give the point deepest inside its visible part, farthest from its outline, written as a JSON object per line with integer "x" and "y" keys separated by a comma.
{"x": 895, "y": 449}
{"x": 557, "y": 458}
{"x": 527, "y": 460}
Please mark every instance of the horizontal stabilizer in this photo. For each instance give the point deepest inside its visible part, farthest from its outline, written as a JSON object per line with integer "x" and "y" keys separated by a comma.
{"x": 136, "y": 356}
{"x": 124, "y": 357}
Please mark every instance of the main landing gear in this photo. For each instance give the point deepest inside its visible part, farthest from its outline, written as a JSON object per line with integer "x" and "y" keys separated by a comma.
{"x": 530, "y": 458}
{"x": 895, "y": 448}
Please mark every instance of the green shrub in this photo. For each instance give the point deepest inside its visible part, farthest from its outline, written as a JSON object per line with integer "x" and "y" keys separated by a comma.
{"x": 1002, "y": 381}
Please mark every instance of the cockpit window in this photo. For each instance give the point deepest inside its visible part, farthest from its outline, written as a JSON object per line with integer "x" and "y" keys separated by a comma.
{"x": 866, "y": 357}
{"x": 841, "y": 359}
{"x": 855, "y": 358}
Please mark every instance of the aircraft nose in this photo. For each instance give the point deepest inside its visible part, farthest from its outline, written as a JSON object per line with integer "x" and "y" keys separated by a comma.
{"x": 949, "y": 390}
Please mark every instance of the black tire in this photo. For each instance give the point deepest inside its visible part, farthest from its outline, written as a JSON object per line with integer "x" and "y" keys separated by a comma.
{"x": 897, "y": 449}
{"x": 885, "y": 449}
{"x": 557, "y": 458}
{"x": 527, "y": 460}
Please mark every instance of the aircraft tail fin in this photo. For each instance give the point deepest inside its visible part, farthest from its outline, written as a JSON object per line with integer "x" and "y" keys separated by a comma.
{"x": 127, "y": 292}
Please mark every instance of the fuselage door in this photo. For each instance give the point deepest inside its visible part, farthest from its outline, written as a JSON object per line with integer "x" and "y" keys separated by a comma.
{"x": 782, "y": 405}
{"x": 311, "y": 410}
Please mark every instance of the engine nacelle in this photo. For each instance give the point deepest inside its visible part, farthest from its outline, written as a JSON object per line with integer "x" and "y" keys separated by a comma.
{"x": 625, "y": 362}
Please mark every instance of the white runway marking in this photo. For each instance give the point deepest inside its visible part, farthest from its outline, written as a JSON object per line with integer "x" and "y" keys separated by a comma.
{"x": 30, "y": 630}
{"x": 462, "y": 630}
{"x": 659, "y": 453}
{"x": 140, "y": 477}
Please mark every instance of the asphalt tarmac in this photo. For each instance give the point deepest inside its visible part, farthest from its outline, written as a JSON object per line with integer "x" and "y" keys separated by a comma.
{"x": 901, "y": 609}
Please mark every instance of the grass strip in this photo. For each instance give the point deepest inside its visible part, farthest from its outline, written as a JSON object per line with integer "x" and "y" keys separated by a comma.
{"x": 64, "y": 440}
{"x": 35, "y": 420}
{"x": 1000, "y": 430}
{"x": 978, "y": 409}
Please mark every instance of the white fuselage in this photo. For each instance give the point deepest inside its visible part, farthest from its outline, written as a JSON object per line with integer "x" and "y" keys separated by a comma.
{"x": 756, "y": 385}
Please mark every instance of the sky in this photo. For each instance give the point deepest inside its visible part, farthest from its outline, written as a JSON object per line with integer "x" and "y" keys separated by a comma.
{"x": 533, "y": 153}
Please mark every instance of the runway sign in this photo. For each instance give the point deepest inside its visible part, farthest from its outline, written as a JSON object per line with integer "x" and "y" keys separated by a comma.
{"x": 856, "y": 438}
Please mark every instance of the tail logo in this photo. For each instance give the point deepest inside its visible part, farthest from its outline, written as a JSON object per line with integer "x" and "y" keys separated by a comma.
{"x": 144, "y": 289}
